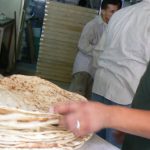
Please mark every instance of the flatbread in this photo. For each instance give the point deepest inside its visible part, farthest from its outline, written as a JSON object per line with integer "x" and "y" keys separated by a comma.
{"x": 24, "y": 121}
{"x": 33, "y": 93}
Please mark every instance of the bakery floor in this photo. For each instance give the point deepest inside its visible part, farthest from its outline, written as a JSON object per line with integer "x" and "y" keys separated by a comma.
{"x": 30, "y": 69}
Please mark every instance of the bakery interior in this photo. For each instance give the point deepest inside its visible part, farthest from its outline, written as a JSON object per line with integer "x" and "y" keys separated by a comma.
{"x": 31, "y": 45}
{"x": 20, "y": 54}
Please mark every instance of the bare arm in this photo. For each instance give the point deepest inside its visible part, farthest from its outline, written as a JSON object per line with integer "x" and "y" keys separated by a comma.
{"x": 94, "y": 116}
{"x": 131, "y": 121}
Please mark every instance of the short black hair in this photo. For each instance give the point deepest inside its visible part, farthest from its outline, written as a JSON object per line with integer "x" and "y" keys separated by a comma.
{"x": 105, "y": 3}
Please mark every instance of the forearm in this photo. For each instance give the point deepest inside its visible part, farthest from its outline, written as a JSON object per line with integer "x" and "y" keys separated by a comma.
{"x": 131, "y": 121}
{"x": 101, "y": 116}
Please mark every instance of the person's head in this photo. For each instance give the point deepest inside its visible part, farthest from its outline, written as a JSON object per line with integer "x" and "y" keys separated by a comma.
{"x": 108, "y": 7}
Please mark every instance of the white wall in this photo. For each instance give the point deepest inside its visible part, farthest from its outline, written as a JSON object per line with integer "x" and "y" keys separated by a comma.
{"x": 9, "y": 6}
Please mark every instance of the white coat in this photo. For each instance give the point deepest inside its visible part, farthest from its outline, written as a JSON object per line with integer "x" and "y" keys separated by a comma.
{"x": 90, "y": 36}
{"x": 125, "y": 54}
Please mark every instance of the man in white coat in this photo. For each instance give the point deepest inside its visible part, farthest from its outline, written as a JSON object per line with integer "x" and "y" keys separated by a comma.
{"x": 83, "y": 70}
{"x": 124, "y": 55}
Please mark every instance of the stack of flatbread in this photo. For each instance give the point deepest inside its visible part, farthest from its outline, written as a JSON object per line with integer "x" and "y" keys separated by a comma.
{"x": 24, "y": 118}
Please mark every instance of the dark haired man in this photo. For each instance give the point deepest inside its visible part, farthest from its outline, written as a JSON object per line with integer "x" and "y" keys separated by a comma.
{"x": 83, "y": 70}
{"x": 108, "y": 8}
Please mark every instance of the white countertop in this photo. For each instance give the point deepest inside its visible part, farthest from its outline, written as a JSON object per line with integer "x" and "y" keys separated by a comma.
{"x": 97, "y": 143}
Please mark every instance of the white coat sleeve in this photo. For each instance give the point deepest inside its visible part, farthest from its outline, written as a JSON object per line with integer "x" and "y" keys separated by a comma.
{"x": 85, "y": 42}
{"x": 99, "y": 48}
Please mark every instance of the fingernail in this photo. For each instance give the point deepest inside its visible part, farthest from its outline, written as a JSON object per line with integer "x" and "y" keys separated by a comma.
{"x": 51, "y": 110}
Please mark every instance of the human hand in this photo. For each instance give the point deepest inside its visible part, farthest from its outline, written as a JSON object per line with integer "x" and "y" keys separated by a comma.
{"x": 83, "y": 118}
